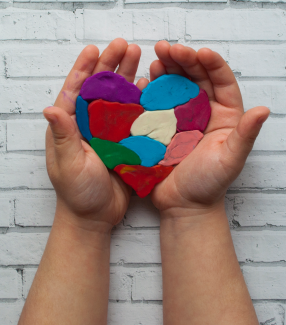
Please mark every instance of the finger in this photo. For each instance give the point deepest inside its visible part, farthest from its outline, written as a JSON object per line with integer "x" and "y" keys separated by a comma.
{"x": 129, "y": 64}
{"x": 186, "y": 57}
{"x": 157, "y": 69}
{"x": 111, "y": 56}
{"x": 81, "y": 70}
{"x": 66, "y": 141}
{"x": 240, "y": 141}
{"x": 225, "y": 86}
{"x": 142, "y": 83}
{"x": 162, "y": 50}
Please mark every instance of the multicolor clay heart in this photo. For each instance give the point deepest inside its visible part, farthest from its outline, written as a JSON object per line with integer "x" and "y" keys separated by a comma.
{"x": 165, "y": 121}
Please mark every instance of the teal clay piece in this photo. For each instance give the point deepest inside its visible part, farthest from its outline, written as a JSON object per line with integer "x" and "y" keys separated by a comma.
{"x": 113, "y": 154}
{"x": 168, "y": 91}
{"x": 149, "y": 150}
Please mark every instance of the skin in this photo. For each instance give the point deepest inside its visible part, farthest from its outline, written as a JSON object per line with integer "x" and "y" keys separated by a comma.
{"x": 202, "y": 282}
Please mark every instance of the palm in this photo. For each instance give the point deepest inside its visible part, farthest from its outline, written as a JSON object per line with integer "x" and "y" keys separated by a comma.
{"x": 203, "y": 177}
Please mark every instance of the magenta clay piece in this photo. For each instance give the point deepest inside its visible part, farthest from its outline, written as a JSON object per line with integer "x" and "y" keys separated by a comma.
{"x": 195, "y": 114}
{"x": 111, "y": 87}
{"x": 180, "y": 147}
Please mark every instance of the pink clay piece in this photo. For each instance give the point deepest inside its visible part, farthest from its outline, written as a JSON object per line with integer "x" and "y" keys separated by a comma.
{"x": 180, "y": 147}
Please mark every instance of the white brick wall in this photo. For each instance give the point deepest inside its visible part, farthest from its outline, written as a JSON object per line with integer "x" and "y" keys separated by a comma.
{"x": 38, "y": 48}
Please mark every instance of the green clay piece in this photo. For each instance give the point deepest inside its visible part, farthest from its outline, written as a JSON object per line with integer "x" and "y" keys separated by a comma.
{"x": 113, "y": 154}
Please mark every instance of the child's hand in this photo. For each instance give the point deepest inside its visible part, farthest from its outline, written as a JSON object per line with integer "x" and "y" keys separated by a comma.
{"x": 83, "y": 184}
{"x": 200, "y": 181}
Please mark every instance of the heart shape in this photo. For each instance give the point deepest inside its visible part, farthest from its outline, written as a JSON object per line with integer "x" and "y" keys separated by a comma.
{"x": 165, "y": 121}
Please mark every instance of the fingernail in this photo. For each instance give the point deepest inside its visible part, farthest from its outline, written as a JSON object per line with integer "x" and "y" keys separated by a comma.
{"x": 51, "y": 118}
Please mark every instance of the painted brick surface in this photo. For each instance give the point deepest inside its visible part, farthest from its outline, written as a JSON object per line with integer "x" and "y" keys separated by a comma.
{"x": 28, "y": 277}
{"x": 26, "y": 171}
{"x": 264, "y": 92}
{"x": 104, "y": 25}
{"x": 40, "y": 41}
{"x": 265, "y": 282}
{"x": 6, "y": 212}
{"x": 26, "y": 135}
{"x": 9, "y": 284}
{"x": 36, "y": 24}
{"x": 258, "y": 60}
{"x": 258, "y": 209}
{"x": 270, "y": 313}
{"x": 28, "y": 96}
{"x": 236, "y": 25}
{"x": 3, "y": 136}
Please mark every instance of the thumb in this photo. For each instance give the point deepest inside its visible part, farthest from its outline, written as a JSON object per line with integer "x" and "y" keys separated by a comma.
{"x": 241, "y": 140}
{"x": 65, "y": 138}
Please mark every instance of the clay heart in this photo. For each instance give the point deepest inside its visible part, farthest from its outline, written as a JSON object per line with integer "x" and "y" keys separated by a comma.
{"x": 165, "y": 121}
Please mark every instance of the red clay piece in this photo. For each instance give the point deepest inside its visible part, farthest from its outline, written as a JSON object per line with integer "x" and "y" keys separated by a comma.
{"x": 195, "y": 114}
{"x": 142, "y": 179}
{"x": 180, "y": 147}
{"x": 112, "y": 121}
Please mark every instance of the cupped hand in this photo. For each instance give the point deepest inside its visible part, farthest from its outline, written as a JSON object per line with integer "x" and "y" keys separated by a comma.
{"x": 201, "y": 180}
{"x": 83, "y": 184}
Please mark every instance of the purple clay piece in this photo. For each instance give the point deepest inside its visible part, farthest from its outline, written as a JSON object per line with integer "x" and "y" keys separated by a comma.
{"x": 195, "y": 114}
{"x": 111, "y": 87}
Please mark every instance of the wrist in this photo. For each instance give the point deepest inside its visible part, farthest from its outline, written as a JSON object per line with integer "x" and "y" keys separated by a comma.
{"x": 177, "y": 220}
{"x": 85, "y": 231}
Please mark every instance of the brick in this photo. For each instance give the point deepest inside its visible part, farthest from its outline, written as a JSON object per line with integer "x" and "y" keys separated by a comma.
{"x": 6, "y": 212}
{"x": 262, "y": 172}
{"x": 147, "y": 284}
{"x": 156, "y": 1}
{"x": 21, "y": 248}
{"x": 265, "y": 282}
{"x": 270, "y": 313}
{"x": 141, "y": 213}
{"x": 10, "y": 312}
{"x": 272, "y": 135}
{"x": 258, "y": 60}
{"x": 236, "y": 25}
{"x": 2, "y": 136}
{"x": 79, "y": 1}
{"x": 104, "y": 25}
{"x": 258, "y": 209}
{"x": 177, "y": 24}
{"x": 36, "y": 24}
{"x": 9, "y": 284}
{"x": 120, "y": 284}
{"x": 35, "y": 208}
{"x": 26, "y": 134}
{"x": 150, "y": 25}
{"x": 264, "y": 92}
{"x": 41, "y": 62}
{"x": 32, "y": 96}
{"x": 259, "y": 246}
{"x": 130, "y": 314}
{"x": 28, "y": 277}
{"x": 23, "y": 171}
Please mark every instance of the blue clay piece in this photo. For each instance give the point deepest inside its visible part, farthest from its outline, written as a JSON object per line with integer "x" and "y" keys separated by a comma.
{"x": 150, "y": 151}
{"x": 168, "y": 91}
{"x": 81, "y": 112}
{"x": 111, "y": 87}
